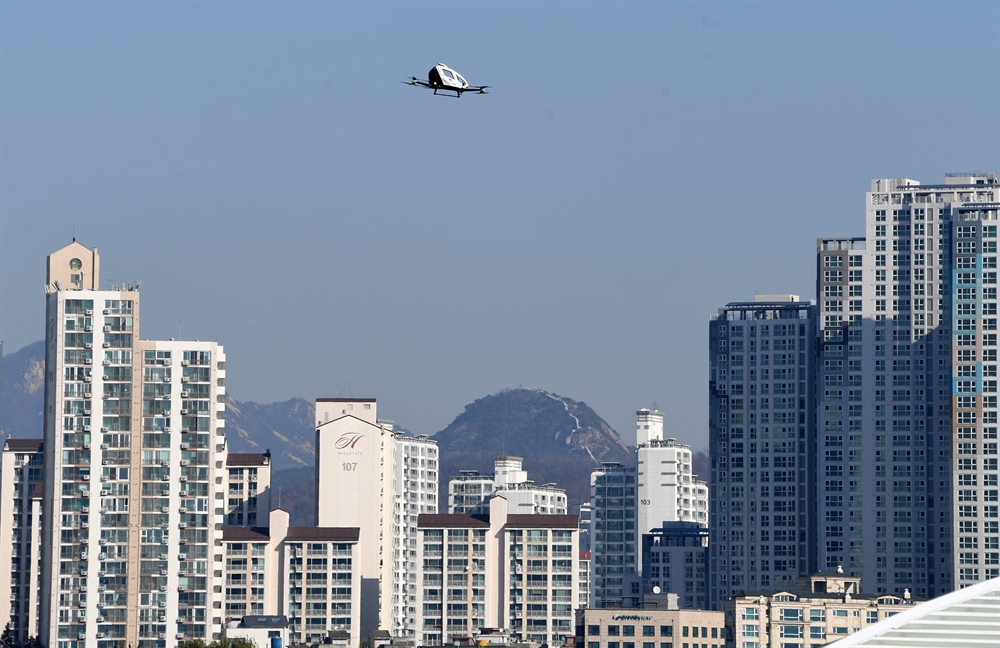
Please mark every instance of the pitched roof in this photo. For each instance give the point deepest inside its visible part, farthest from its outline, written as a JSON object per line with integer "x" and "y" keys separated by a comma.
{"x": 522, "y": 521}
{"x": 452, "y": 521}
{"x": 333, "y": 534}
{"x": 245, "y": 459}
{"x": 245, "y": 534}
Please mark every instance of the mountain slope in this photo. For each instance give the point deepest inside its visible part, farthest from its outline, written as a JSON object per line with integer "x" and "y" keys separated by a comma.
{"x": 22, "y": 392}
{"x": 287, "y": 429}
{"x": 561, "y": 440}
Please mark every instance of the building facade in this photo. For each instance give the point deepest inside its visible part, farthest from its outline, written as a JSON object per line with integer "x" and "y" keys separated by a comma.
{"x": 908, "y": 423}
{"x": 650, "y": 626}
{"x": 377, "y": 480}
{"x": 248, "y": 489}
{"x": 502, "y": 570}
{"x": 761, "y": 434}
{"x": 21, "y": 497}
{"x": 666, "y": 489}
{"x": 822, "y": 608}
{"x": 470, "y": 492}
{"x": 675, "y": 559}
{"x": 134, "y": 454}
{"x": 613, "y": 532}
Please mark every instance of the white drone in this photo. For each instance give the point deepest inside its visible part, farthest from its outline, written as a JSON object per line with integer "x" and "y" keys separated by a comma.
{"x": 443, "y": 79}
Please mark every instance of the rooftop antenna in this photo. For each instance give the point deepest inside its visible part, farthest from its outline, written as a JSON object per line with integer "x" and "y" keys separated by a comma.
{"x": 180, "y": 329}
{"x": 74, "y": 232}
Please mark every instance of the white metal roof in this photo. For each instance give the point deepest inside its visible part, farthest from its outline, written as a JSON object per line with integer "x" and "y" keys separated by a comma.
{"x": 967, "y": 617}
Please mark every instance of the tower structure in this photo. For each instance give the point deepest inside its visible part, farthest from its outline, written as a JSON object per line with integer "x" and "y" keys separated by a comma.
{"x": 761, "y": 431}
{"x": 907, "y": 467}
{"x": 134, "y": 455}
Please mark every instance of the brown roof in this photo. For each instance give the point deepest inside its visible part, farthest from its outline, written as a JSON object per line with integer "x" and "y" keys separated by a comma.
{"x": 345, "y": 400}
{"x": 336, "y": 534}
{"x": 452, "y": 521}
{"x": 37, "y": 491}
{"x": 519, "y": 521}
{"x": 237, "y": 459}
{"x": 24, "y": 444}
{"x": 245, "y": 534}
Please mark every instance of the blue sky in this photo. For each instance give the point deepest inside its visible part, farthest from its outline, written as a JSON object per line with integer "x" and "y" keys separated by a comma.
{"x": 263, "y": 172}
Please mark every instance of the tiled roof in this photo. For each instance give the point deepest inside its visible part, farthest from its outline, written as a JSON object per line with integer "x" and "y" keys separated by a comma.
{"x": 334, "y": 534}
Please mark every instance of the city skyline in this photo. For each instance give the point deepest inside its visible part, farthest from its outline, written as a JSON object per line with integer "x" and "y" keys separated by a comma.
{"x": 270, "y": 149}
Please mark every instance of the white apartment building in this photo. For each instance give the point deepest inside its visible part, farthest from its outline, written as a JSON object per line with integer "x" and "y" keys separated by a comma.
{"x": 21, "y": 497}
{"x": 470, "y": 492}
{"x": 370, "y": 477}
{"x": 513, "y": 572}
{"x": 666, "y": 489}
{"x": 134, "y": 459}
{"x": 907, "y": 437}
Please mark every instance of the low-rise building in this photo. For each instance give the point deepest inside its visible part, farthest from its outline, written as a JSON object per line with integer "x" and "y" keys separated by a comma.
{"x": 823, "y": 608}
{"x": 655, "y": 624}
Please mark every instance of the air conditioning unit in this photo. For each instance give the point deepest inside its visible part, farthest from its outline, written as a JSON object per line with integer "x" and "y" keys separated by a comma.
{"x": 102, "y": 542}
{"x": 166, "y": 430}
{"x": 179, "y": 635}
{"x": 166, "y": 413}
{"x": 164, "y": 556}
{"x": 165, "y": 541}
{"x": 81, "y": 636}
{"x": 101, "y": 556}
{"x": 85, "y": 509}
{"x": 184, "y": 363}
{"x": 86, "y": 412}
{"x": 104, "y": 509}
{"x": 100, "y": 606}
{"x": 104, "y": 429}
{"x": 85, "y": 540}
{"x": 163, "y": 588}
{"x": 104, "y": 478}
{"x": 87, "y": 379}
{"x": 164, "y": 572}
{"x": 182, "y": 556}
{"x": 163, "y": 604}
{"x": 105, "y": 492}
{"x": 184, "y": 462}
{"x": 184, "y": 412}
{"x": 83, "y": 572}
{"x": 183, "y": 479}
{"x": 107, "y": 311}
{"x": 104, "y": 446}
{"x": 83, "y": 588}
{"x": 101, "y": 573}
{"x": 106, "y": 396}
{"x": 182, "y": 525}
{"x": 106, "y": 345}
{"x": 101, "y": 620}
{"x": 106, "y": 363}
{"x": 165, "y": 492}
{"x": 165, "y": 478}
{"x": 182, "y": 509}
{"x": 165, "y": 463}
{"x": 185, "y": 379}
{"x": 105, "y": 462}
{"x": 89, "y": 311}
{"x": 88, "y": 329}
{"x": 185, "y": 394}
{"x": 164, "y": 509}
{"x": 86, "y": 446}
{"x": 84, "y": 555}
{"x": 85, "y": 492}
{"x": 88, "y": 361}
{"x": 88, "y": 345}
{"x": 184, "y": 446}
{"x": 107, "y": 329}
{"x": 167, "y": 362}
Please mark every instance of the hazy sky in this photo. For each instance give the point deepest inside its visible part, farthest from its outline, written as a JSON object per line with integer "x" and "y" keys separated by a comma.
{"x": 259, "y": 167}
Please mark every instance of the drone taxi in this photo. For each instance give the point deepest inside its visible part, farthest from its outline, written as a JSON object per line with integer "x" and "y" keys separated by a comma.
{"x": 446, "y": 80}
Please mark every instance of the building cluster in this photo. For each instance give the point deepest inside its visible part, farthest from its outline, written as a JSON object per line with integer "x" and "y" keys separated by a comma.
{"x": 853, "y": 439}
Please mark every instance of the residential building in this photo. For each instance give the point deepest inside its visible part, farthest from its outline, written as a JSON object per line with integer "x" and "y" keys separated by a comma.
{"x": 133, "y": 461}
{"x": 21, "y": 497}
{"x": 497, "y": 570}
{"x": 761, "y": 418}
{"x": 666, "y": 489}
{"x": 821, "y": 608}
{"x": 248, "y": 489}
{"x": 583, "y": 600}
{"x": 675, "y": 559}
{"x": 657, "y": 623}
{"x": 470, "y": 492}
{"x": 907, "y": 467}
{"x": 613, "y": 532}
{"x": 377, "y": 480}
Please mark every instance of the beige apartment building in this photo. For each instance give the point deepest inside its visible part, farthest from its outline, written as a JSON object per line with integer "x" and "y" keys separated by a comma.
{"x": 650, "y": 626}
{"x": 823, "y": 608}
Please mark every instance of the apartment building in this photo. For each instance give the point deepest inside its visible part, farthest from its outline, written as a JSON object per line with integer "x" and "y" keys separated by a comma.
{"x": 502, "y": 570}
{"x": 820, "y": 609}
{"x": 666, "y": 489}
{"x": 22, "y": 485}
{"x": 380, "y": 481}
{"x": 675, "y": 559}
{"x": 470, "y": 492}
{"x": 248, "y": 489}
{"x": 613, "y": 532}
{"x": 906, "y": 463}
{"x": 761, "y": 433}
{"x": 133, "y": 462}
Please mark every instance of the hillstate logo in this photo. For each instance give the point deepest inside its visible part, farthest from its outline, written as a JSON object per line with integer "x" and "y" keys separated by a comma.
{"x": 348, "y": 440}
